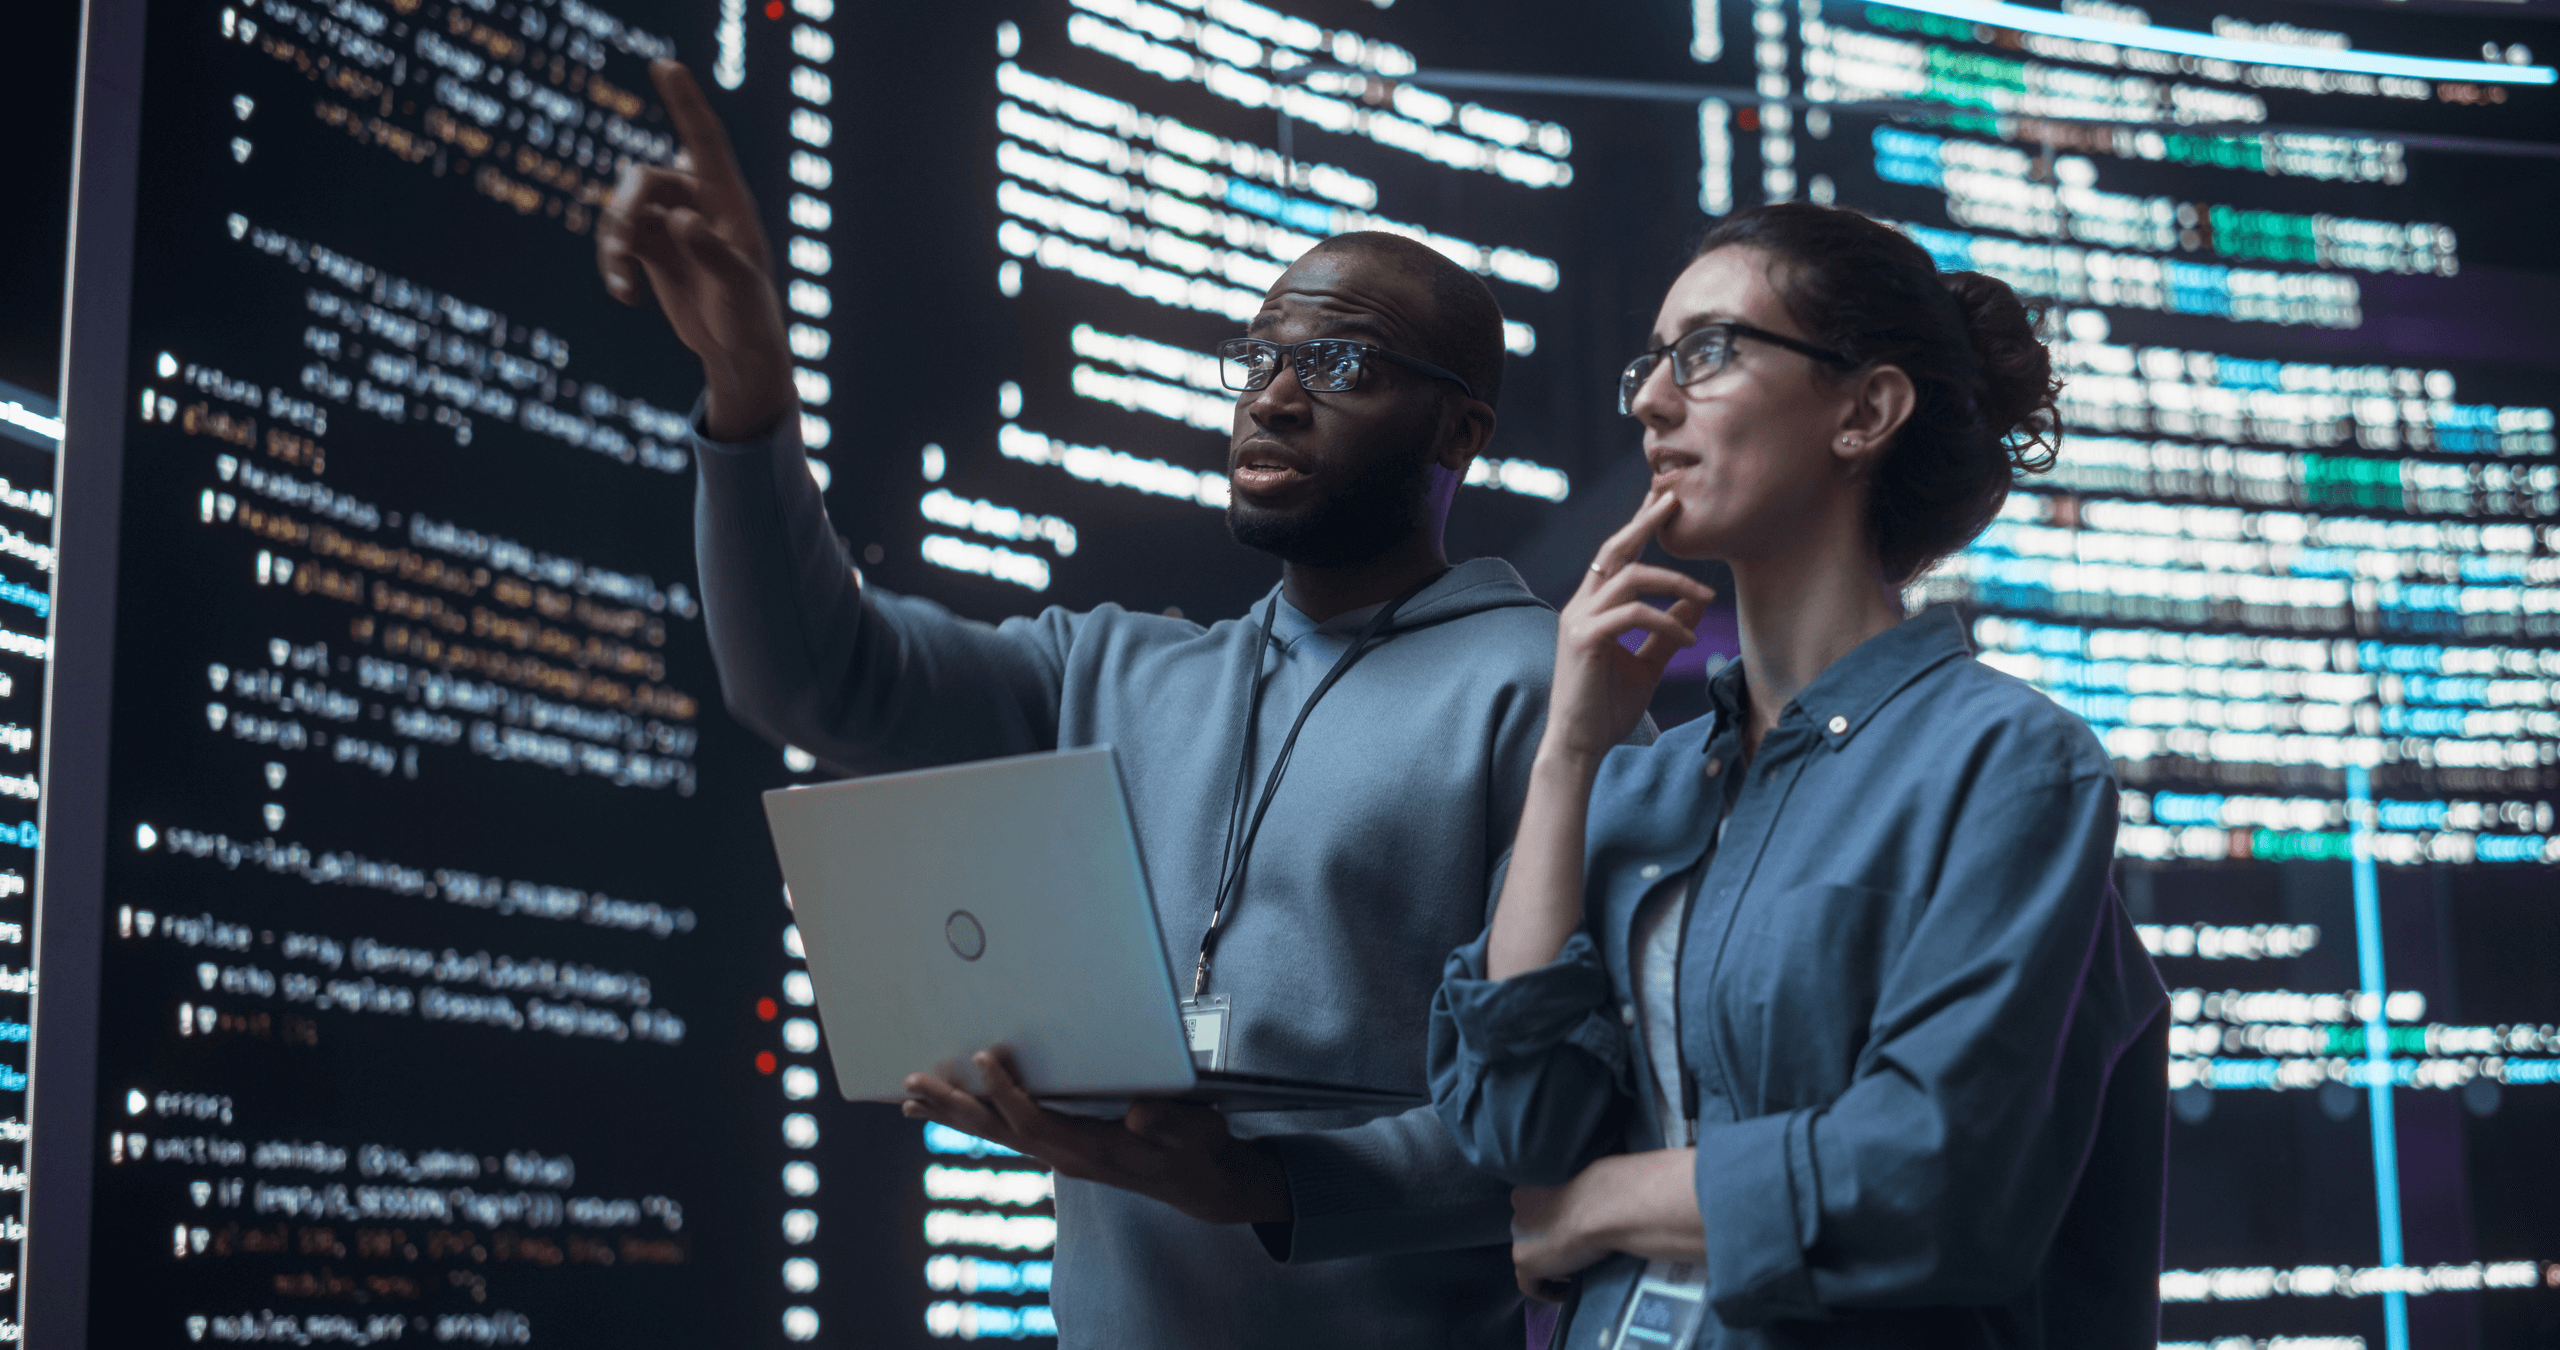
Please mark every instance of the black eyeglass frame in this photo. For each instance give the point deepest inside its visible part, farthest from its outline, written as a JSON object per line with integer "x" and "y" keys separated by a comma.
{"x": 1641, "y": 369}
{"x": 1302, "y": 361}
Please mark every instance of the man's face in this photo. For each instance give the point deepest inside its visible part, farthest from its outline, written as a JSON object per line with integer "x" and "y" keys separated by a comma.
{"x": 1328, "y": 479}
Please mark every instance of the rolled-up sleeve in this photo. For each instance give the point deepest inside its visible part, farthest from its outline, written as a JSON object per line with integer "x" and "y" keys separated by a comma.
{"x": 1529, "y": 1074}
{"x": 1941, "y": 1174}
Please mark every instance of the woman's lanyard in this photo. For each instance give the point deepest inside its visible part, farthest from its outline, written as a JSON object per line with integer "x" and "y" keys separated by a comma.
{"x": 1232, "y": 861}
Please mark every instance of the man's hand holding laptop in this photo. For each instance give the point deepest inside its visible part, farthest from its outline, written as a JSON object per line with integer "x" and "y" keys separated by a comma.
{"x": 1178, "y": 1152}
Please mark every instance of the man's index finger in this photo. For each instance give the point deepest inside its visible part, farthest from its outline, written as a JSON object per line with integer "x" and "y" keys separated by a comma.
{"x": 698, "y": 128}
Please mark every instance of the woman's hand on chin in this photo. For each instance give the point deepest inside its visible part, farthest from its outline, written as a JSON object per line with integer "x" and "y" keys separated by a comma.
{"x": 1601, "y": 688}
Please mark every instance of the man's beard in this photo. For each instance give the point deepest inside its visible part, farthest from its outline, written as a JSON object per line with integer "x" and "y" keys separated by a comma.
{"x": 1373, "y": 512}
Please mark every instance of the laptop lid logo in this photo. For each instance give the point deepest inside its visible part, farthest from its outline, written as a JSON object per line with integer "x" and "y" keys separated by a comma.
{"x": 961, "y": 930}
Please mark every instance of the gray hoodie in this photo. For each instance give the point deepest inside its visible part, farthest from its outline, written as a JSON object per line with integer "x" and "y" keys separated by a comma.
{"x": 1378, "y": 857}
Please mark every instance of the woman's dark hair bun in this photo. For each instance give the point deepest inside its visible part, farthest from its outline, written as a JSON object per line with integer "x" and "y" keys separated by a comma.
{"x": 1986, "y": 409}
{"x": 2019, "y": 389}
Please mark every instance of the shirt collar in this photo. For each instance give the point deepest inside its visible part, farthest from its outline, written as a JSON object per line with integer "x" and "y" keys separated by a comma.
{"x": 1843, "y": 697}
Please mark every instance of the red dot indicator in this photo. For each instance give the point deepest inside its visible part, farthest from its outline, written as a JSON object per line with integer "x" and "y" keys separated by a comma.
{"x": 766, "y": 1009}
{"x": 765, "y": 1062}
{"x": 773, "y": 9}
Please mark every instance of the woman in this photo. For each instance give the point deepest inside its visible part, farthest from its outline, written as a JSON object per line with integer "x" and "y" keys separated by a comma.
{"x": 1828, "y": 1029}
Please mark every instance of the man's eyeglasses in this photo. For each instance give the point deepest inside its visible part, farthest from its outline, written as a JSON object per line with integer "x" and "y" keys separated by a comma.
{"x": 1323, "y": 365}
{"x": 1704, "y": 351}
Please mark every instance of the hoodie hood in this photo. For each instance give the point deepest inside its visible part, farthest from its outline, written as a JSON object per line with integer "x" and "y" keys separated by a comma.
{"x": 1470, "y": 587}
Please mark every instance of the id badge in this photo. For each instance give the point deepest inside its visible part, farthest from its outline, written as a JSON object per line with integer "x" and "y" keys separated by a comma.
{"x": 1663, "y": 1311}
{"x": 1204, "y": 1025}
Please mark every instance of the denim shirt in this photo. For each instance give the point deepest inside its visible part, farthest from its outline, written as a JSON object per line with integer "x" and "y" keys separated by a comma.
{"x": 1928, "y": 1052}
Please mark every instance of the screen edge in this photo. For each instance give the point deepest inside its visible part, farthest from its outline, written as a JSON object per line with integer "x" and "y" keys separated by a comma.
{"x": 88, "y": 485}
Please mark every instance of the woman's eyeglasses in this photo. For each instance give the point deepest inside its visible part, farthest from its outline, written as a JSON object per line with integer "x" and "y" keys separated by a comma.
{"x": 1323, "y": 365}
{"x": 1704, "y": 351}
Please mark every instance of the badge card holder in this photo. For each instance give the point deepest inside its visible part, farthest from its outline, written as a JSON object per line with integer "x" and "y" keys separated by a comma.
{"x": 1205, "y": 1020}
{"x": 1663, "y": 1312}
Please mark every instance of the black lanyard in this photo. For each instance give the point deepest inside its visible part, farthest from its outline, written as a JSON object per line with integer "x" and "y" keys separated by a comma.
{"x": 1232, "y": 858}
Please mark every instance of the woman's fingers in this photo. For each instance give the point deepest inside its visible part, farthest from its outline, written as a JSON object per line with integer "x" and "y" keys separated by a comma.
{"x": 1659, "y": 648}
{"x": 1624, "y": 546}
{"x": 1627, "y": 543}
{"x": 1600, "y": 615}
{"x": 1664, "y": 632}
{"x": 1643, "y": 578}
{"x": 1637, "y": 616}
{"x": 1528, "y": 1270}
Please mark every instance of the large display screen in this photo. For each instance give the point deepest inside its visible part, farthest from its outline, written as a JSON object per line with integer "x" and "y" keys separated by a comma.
{"x": 30, "y": 429}
{"x": 2298, "y": 568}
{"x": 441, "y": 957}
{"x": 445, "y": 990}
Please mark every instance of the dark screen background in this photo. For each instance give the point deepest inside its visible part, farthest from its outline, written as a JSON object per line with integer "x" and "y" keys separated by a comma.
{"x": 923, "y": 339}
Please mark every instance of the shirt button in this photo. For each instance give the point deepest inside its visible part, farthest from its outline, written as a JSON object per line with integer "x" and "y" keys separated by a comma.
{"x": 1627, "y": 1013}
{"x": 1714, "y": 766}
{"x": 1838, "y": 724}
{"x": 1649, "y": 871}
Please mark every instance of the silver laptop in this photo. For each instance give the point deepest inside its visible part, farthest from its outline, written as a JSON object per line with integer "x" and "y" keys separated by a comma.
{"x": 1000, "y": 903}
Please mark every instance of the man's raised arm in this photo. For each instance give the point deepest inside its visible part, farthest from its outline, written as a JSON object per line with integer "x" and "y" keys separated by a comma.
{"x": 865, "y": 682}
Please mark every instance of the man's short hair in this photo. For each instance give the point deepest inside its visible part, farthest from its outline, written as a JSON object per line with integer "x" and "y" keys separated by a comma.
{"x": 1465, "y": 333}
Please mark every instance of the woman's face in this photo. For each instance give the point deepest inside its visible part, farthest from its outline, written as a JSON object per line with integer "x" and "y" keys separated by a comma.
{"x": 1753, "y": 452}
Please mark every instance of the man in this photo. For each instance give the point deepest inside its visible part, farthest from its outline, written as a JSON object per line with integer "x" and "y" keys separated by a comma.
{"x": 1338, "y": 884}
